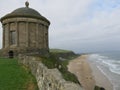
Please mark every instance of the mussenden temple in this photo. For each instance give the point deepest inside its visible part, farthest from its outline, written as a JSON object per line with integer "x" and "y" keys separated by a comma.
{"x": 25, "y": 30}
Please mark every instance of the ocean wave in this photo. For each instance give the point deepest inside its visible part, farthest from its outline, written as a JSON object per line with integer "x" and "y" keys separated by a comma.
{"x": 113, "y": 65}
{"x": 109, "y": 65}
{"x": 97, "y": 56}
{"x": 117, "y": 71}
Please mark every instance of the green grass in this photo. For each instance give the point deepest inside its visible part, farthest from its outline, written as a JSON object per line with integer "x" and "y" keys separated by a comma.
{"x": 15, "y": 77}
{"x": 59, "y": 51}
{"x": 64, "y": 54}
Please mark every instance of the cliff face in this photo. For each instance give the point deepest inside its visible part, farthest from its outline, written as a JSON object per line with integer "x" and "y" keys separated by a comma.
{"x": 47, "y": 79}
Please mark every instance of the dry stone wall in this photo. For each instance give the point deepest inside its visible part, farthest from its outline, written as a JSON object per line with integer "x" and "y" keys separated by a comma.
{"x": 47, "y": 79}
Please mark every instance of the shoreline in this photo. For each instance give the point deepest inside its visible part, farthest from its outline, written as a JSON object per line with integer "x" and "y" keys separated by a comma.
{"x": 100, "y": 77}
{"x": 88, "y": 73}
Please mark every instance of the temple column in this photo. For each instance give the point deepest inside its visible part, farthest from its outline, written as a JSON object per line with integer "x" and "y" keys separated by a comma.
{"x": 3, "y": 36}
{"x": 9, "y": 42}
{"x": 47, "y": 37}
{"x": 37, "y": 35}
{"x": 27, "y": 35}
{"x": 44, "y": 41}
{"x": 17, "y": 34}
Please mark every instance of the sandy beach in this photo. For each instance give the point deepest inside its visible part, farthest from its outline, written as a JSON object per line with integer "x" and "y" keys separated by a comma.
{"x": 88, "y": 74}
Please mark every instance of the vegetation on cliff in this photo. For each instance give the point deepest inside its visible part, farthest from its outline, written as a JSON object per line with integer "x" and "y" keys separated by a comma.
{"x": 59, "y": 51}
{"x": 15, "y": 77}
{"x": 60, "y": 61}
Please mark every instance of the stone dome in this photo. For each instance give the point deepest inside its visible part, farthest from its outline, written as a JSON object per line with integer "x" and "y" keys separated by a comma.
{"x": 25, "y": 12}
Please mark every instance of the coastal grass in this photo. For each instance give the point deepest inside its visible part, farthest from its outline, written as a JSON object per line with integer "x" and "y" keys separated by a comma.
{"x": 59, "y": 51}
{"x": 15, "y": 77}
{"x": 65, "y": 54}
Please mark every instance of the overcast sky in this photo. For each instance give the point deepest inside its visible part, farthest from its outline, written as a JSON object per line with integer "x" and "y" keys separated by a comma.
{"x": 78, "y": 25}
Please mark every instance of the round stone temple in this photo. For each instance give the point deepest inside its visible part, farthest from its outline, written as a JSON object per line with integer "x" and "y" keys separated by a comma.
{"x": 25, "y": 30}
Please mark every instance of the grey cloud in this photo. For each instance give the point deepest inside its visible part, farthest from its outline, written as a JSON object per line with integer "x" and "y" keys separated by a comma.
{"x": 70, "y": 28}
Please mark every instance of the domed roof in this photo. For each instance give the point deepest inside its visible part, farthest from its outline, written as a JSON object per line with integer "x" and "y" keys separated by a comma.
{"x": 25, "y": 12}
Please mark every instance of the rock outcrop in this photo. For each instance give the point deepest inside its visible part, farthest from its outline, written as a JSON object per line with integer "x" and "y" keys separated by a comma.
{"x": 47, "y": 79}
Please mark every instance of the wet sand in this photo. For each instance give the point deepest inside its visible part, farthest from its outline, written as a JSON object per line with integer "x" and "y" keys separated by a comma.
{"x": 88, "y": 74}
{"x": 100, "y": 78}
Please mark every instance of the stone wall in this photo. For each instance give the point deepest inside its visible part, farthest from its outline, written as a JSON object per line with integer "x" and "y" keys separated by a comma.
{"x": 47, "y": 79}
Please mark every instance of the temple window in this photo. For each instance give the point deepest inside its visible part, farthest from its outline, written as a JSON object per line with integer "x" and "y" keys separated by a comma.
{"x": 12, "y": 37}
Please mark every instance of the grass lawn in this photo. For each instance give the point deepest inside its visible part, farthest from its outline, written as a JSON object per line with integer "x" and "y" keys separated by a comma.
{"x": 15, "y": 77}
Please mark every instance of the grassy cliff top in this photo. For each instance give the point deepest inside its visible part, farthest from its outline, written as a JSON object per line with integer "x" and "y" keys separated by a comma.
{"x": 59, "y": 51}
{"x": 15, "y": 77}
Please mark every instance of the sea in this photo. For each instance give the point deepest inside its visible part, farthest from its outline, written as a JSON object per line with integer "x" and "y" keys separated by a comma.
{"x": 109, "y": 64}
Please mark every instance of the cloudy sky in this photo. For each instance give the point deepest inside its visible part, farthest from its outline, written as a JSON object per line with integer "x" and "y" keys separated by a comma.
{"x": 79, "y": 25}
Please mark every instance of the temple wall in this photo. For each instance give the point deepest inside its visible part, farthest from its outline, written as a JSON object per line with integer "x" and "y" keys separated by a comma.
{"x": 22, "y": 34}
{"x": 30, "y": 34}
{"x": 40, "y": 36}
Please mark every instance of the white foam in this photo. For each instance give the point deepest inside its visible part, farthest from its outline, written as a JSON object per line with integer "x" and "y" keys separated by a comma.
{"x": 113, "y": 66}
{"x": 115, "y": 71}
